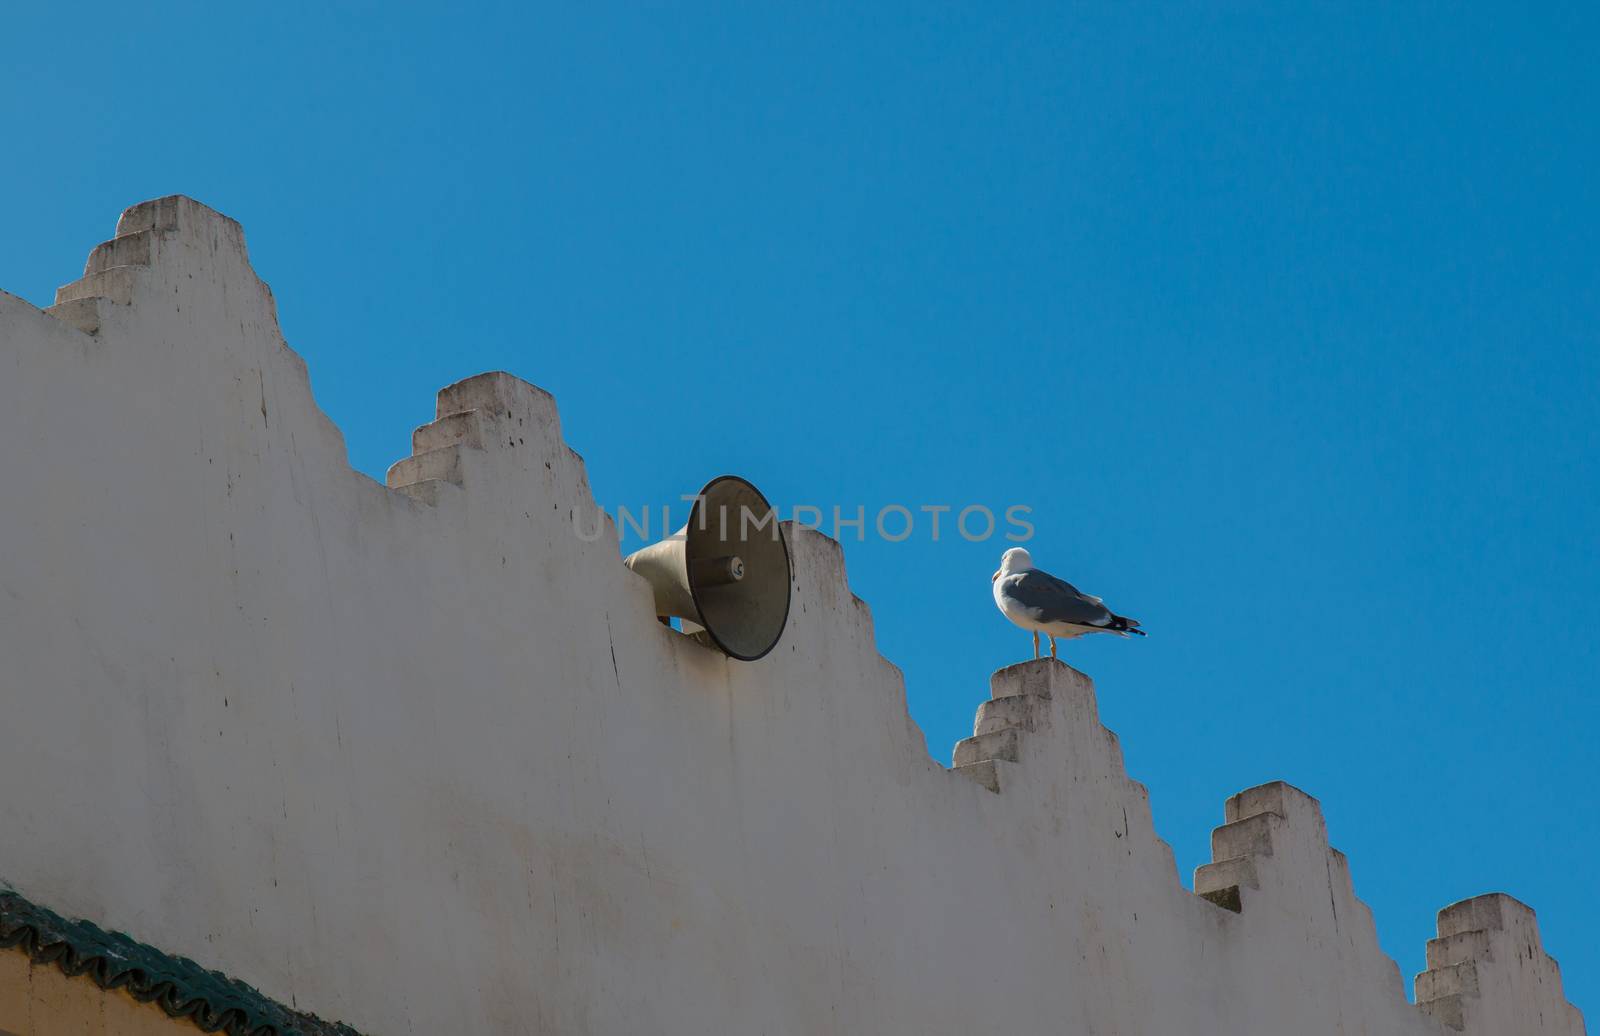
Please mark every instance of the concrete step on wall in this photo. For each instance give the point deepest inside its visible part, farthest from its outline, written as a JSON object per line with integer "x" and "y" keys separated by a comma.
{"x": 1272, "y": 797}
{"x": 501, "y": 394}
{"x": 1447, "y": 981}
{"x": 1449, "y": 1011}
{"x": 1251, "y": 836}
{"x": 130, "y": 250}
{"x": 1462, "y": 946}
{"x": 1225, "y": 874}
{"x": 443, "y": 464}
{"x": 465, "y": 427}
{"x": 1039, "y": 676}
{"x": 988, "y": 773}
{"x": 997, "y": 744}
{"x": 115, "y": 283}
{"x": 161, "y": 214}
{"x": 1025, "y": 711}
{"x": 86, "y": 314}
{"x": 1114, "y": 752}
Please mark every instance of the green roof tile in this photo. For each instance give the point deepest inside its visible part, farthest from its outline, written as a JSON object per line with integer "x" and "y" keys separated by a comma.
{"x": 211, "y": 1000}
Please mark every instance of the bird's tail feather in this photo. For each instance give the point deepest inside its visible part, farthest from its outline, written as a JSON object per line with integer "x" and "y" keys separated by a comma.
{"x": 1124, "y": 625}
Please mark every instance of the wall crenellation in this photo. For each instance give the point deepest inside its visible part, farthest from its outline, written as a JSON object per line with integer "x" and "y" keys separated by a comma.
{"x": 1272, "y": 853}
{"x": 104, "y": 283}
{"x": 613, "y": 829}
{"x": 1028, "y": 698}
{"x": 1488, "y": 971}
{"x": 492, "y": 411}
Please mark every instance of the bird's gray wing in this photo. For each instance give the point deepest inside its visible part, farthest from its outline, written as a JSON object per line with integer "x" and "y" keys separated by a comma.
{"x": 1049, "y": 599}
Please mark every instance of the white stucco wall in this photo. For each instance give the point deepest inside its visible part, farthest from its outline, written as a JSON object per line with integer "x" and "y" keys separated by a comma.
{"x": 424, "y": 761}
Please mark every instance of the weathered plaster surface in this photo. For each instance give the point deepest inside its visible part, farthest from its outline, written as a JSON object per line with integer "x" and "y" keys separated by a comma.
{"x": 423, "y": 760}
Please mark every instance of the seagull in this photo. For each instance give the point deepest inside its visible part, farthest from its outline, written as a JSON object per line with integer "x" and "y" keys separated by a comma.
{"x": 1038, "y": 601}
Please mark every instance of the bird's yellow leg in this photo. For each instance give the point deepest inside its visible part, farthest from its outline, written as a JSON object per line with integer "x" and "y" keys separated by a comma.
{"x": 1035, "y": 643}
{"x": 1052, "y": 647}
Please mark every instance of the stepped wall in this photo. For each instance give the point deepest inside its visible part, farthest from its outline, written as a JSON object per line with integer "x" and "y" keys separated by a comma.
{"x": 417, "y": 757}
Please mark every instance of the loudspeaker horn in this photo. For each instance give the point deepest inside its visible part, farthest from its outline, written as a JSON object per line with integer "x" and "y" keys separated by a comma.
{"x": 727, "y": 569}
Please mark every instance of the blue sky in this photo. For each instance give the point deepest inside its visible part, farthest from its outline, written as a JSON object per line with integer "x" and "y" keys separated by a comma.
{"x": 1281, "y": 318}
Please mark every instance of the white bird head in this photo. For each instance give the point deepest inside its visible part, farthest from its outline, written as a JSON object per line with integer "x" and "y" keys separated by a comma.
{"x": 1013, "y": 561}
